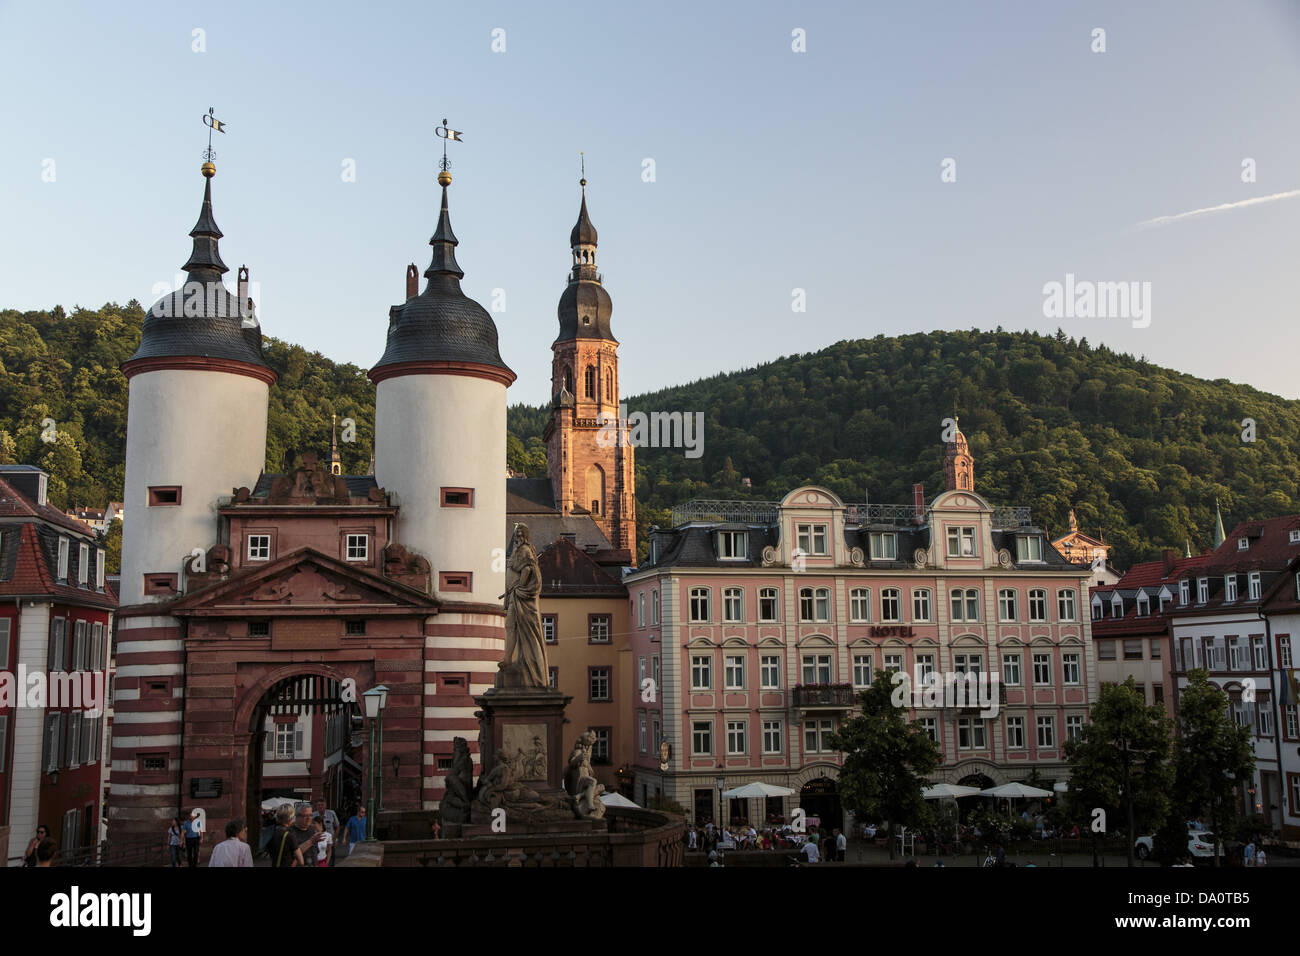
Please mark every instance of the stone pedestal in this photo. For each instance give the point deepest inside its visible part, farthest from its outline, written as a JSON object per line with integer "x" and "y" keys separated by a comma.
{"x": 525, "y": 726}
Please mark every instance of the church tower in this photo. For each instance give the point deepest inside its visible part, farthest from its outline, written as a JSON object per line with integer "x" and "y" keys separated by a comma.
{"x": 958, "y": 465}
{"x": 590, "y": 473}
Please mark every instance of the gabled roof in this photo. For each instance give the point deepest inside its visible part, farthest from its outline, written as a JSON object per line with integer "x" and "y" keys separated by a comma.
{"x": 530, "y": 496}
{"x": 271, "y": 584}
{"x": 27, "y": 567}
{"x": 569, "y": 572}
{"x": 14, "y": 504}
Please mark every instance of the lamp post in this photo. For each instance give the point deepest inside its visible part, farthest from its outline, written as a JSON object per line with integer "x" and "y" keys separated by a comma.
{"x": 721, "y": 781}
{"x": 371, "y": 699}
{"x": 382, "y": 691}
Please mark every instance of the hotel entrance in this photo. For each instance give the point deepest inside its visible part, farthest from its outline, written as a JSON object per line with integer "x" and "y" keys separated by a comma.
{"x": 820, "y": 799}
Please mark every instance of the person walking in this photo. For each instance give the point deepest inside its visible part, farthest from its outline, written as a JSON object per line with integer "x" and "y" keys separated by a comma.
{"x": 233, "y": 850}
{"x": 1248, "y": 854}
{"x": 282, "y": 848}
{"x": 841, "y": 846}
{"x": 810, "y": 851}
{"x": 355, "y": 831}
{"x": 174, "y": 836}
{"x": 324, "y": 845}
{"x": 304, "y": 834}
{"x": 193, "y": 837}
{"x": 332, "y": 826}
{"x": 45, "y": 851}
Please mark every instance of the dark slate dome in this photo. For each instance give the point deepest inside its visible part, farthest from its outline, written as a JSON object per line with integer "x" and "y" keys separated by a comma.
{"x": 203, "y": 318}
{"x": 442, "y": 324}
{"x": 584, "y": 311}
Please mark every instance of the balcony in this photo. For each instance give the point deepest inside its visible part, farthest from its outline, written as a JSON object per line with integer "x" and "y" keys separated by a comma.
{"x": 823, "y": 697}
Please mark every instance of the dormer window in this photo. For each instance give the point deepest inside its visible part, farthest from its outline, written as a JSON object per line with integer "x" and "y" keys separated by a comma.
{"x": 654, "y": 550}
{"x": 1230, "y": 587}
{"x": 63, "y": 559}
{"x": 732, "y": 545}
{"x": 99, "y": 568}
{"x": 1293, "y": 537}
{"x": 1202, "y": 590}
{"x": 961, "y": 542}
{"x": 1144, "y": 605}
{"x": 812, "y": 539}
{"x": 1253, "y": 582}
{"x": 1029, "y": 548}
{"x": 884, "y": 546}
{"x": 1185, "y": 592}
{"x": 1097, "y": 608}
{"x": 1243, "y": 544}
{"x": 1116, "y": 606}
{"x": 83, "y": 565}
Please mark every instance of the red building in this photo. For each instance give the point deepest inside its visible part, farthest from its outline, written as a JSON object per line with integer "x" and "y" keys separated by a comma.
{"x": 56, "y": 615}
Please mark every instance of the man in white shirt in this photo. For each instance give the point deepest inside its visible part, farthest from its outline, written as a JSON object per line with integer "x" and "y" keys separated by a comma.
{"x": 233, "y": 851}
{"x": 841, "y": 845}
{"x": 810, "y": 852}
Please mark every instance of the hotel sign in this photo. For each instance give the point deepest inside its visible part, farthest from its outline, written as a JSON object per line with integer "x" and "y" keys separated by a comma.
{"x": 894, "y": 630}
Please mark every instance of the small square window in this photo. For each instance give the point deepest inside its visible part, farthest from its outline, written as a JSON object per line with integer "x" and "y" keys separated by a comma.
{"x": 164, "y": 495}
{"x": 259, "y": 628}
{"x": 1293, "y": 537}
{"x": 358, "y": 547}
{"x": 1243, "y": 544}
{"x": 598, "y": 628}
{"x": 444, "y": 763}
{"x": 153, "y": 763}
{"x": 550, "y": 623}
{"x": 455, "y": 581}
{"x": 259, "y": 547}
{"x": 160, "y": 584}
{"x": 458, "y": 497}
{"x": 355, "y": 629}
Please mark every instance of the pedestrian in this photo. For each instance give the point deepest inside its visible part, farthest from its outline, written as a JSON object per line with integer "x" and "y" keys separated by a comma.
{"x": 233, "y": 850}
{"x": 1248, "y": 854}
{"x": 692, "y": 840}
{"x": 324, "y": 844}
{"x": 281, "y": 848}
{"x": 304, "y": 834}
{"x": 1001, "y": 856}
{"x": 174, "y": 841}
{"x": 810, "y": 851}
{"x": 1261, "y": 858}
{"x": 45, "y": 851}
{"x": 355, "y": 830}
{"x": 841, "y": 845}
{"x": 193, "y": 837}
{"x": 29, "y": 858}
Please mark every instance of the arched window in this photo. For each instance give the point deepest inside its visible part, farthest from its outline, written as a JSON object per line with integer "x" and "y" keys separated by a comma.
{"x": 591, "y": 381}
{"x": 609, "y": 385}
{"x": 568, "y": 379}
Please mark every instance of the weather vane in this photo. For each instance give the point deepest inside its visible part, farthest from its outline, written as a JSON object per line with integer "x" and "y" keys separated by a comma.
{"x": 447, "y": 134}
{"x": 583, "y": 160}
{"x": 212, "y": 123}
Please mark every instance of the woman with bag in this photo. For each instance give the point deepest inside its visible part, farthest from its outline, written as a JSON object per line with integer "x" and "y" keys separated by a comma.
{"x": 281, "y": 848}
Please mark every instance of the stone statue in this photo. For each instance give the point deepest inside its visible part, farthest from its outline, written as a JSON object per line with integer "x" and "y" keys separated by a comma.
{"x": 500, "y": 787}
{"x": 524, "y": 662}
{"x": 459, "y": 784}
{"x": 580, "y": 780}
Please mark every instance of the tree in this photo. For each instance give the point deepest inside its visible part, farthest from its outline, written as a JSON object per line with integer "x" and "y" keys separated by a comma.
{"x": 1121, "y": 759}
{"x": 886, "y": 759}
{"x": 1213, "y": 756}
{"x": 112, "y": 543}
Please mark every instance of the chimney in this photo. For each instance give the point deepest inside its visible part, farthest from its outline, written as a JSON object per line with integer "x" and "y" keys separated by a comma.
{"x": 918, "y": 502}
{"x": 1169, "y": 557}
{"x": 412, "y": 281}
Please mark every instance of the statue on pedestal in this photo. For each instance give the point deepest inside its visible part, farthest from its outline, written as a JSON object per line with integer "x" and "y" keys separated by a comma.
{"x": 524, "y": 662}
{"x": 580, "y": 780}
{"x": 459, "y": 784}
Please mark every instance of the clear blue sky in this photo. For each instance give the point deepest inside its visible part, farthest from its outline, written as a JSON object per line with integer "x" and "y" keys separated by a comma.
{"x": 775, "y": 170}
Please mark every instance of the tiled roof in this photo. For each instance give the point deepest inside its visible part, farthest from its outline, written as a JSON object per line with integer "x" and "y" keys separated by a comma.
{"x": 567, "y": 571}
{"x": 546, "y": 529}
{"x": 28, "y": 568}
{"x": 529, "y": 496}
{"x": 358, "y": 485}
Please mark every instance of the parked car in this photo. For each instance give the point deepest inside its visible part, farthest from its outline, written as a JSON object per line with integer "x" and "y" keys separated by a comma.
{"x": 1200, "y": 845}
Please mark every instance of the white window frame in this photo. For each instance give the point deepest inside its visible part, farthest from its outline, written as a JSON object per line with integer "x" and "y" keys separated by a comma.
{"x": 733, "y": 671}
{"x": 1045, "y": 727}
{"x": 1185, "y": 592}
{"x": 1254, "y": 583}
{"x": 640, "y": 609}
{"x": 1042, "y": 661}
{"x": 83, "y": 564}
{"x": 1015, "y": 733}
{"x": 1008, "y": 601}
{"x": 1038, "y": 595}
{"x": 737, "y": 738}
{"x": 1067, "y": 605}
{"x": 733, "y": 545}
{"x": 897, "y": 596}
{"x": 701, "y": 728}
{"x": 1073, "y": 726}
{"x": 921, "y": 605}
{"x": 817, "y": 659}
{"x": 258, "y": 543}
{"x": 1029, "y": 548}
{"x": 63, "y": 558}
{"x": 702, "y": 666}
{"x": 884, "y": 546}
{"x": 1243, "y": 544}
{"x": 1229, "y": 587}
{"x": 733, "y": 605}
{"x": 772, "y": 737}
{"x": 812, "y": 539}
{"x": 860, "y": 605}
{"x": 357, "y": 550}
{"x": 700, "y": 601}
{"x": 772, "y": 595}
{"x": 863, "y": 664}
{"x": 1011, "y": 669}
{"x": 654, "y": 606}
{"x": 769, "y": 671}
{"x": 100, "y": 570}
{"x": 1202, "y": 590}
{"x": 961, "y": 541}
{"x": 1071, "y": 667}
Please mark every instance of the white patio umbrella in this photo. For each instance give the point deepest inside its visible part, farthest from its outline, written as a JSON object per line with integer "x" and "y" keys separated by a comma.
{"x": 617, "y": 800}
{"x": 941, "y": 791}
{"x": 755, "y": 791}
{"x": 271, "y": 804}
{"x": 1014, "y": 791}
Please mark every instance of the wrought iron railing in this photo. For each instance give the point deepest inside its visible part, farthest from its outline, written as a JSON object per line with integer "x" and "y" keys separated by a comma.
{"x": 822, "y": 695}
{"x": 765, "y": 513}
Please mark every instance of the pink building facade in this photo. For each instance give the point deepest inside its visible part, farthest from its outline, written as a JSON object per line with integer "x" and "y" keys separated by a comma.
{"x": 759, "y": 623}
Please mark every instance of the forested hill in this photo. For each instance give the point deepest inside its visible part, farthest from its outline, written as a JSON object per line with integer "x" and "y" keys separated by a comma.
{"x": 1141, "y": 452}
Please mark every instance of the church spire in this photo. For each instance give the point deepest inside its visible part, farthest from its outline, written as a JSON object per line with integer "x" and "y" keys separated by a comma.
{"x": 444, "y": 242}
{"x": 336, "y": 463}
{"x": 204, "y": 263}
{"x": 1219, "y": 536}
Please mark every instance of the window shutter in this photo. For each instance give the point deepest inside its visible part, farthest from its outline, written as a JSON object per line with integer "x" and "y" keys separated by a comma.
{"x": 297, "y": 742}
{"x": 51, "y": 657}
{"x": 60, "y": 741}
{"x": 4, "y": 644}
{"x": 268, "y": 749}
{"x": 46, "y": 748}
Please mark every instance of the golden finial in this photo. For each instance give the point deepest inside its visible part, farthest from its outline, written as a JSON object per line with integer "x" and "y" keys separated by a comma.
{"x": 444, "y": 178}
{"x": 208, "y": 168}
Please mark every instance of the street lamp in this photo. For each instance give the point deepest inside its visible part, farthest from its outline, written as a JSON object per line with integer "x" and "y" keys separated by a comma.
{"x": 372, "y": 699}
{"x": 382, "y": 691}
{"x": 721, "y": 781}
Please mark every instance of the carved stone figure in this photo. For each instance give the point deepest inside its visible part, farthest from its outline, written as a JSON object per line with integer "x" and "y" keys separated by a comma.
{"x": 459, "y": 784}
{"x": 524, "y": 662}
{"x": 580, "y": 780}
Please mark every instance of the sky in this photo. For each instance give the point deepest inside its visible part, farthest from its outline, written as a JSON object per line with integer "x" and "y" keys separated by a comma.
{"x": 890, "y": 168}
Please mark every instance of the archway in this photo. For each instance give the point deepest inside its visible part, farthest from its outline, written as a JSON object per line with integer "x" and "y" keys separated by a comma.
{"x": 300, "y": 742}
{"x": 820, "y": 800}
